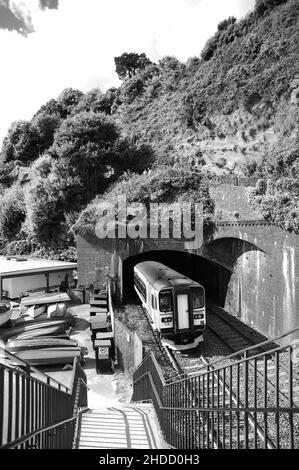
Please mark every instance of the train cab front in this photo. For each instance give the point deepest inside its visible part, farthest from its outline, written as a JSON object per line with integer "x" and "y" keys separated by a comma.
{"x": 183, "y": 317}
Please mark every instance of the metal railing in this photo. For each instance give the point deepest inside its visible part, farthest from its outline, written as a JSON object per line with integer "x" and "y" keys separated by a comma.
{"x": 231, "y": 406}
{"x": 37, "y": 411}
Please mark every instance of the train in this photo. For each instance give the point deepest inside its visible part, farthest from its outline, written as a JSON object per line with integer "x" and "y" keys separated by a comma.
{"x": 174, "y": 303}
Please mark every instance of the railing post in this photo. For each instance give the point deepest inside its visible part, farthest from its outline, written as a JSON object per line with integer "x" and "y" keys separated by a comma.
{"x": 246, "y": 400}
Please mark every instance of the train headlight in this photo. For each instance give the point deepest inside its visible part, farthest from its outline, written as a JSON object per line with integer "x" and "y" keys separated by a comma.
{"x": 166, "y": 320}
{"x": 198, "y": 316}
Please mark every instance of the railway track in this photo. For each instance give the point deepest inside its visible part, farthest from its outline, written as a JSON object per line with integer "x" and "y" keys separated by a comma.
{"x": 266, "y": 373}
{"x": 262, "y": 381}
{"x": 267, "y": 370}
{"x": 228, "y": 332}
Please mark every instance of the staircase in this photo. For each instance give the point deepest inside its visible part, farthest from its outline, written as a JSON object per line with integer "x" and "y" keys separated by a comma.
{"x": 120, "y": 427}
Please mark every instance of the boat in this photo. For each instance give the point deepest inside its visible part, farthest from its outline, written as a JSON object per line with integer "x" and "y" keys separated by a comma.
{"x": 40, "y": 343}
{"x": 36, "y": 328}
{"x": 57, "y": 310}
{"x": 36, "y": 310}
{"x": 56, "y": 332}
{"x": 58, "y": 355}
{"x": 5, "y": 312}
{"x": 45, "y": 299}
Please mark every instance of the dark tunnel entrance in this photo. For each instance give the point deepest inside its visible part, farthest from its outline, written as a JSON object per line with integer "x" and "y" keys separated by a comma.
{"x": 212, "y": 276}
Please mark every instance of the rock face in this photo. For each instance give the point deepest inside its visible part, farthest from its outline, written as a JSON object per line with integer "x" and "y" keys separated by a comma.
{"x": 233, "y": 202}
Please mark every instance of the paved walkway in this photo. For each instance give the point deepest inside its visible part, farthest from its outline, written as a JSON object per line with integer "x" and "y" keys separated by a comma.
{"x": 129, "y": 427}
{"x": 112, "y": 421}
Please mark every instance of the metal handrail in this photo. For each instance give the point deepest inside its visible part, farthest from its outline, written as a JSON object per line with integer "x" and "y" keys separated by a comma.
{"x": 243, "y": 352}
{"x": 216, "y": 404}
{"x": 30, "y": 368}
{"x": 68, "y": 404}
{"x": 23, "y": 439}
{"x": 241, "y": 361}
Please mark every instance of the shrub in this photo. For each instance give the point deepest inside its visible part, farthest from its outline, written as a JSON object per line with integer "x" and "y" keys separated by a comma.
{"x": 43, "y": 165}
{"x": 263, "y": 6}
{"x": 132, "y": 88}
{"x": 12, "y": 211}
{"x": 221, "y": 162}
{"x": 21, "y": 142}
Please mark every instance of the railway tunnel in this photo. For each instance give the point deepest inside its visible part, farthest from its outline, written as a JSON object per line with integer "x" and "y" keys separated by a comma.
{"x": 214, "y": 277}
{"x": 250, "y": 269}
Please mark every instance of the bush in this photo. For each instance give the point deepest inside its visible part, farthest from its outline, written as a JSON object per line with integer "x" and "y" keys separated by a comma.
{"x": 221, "y": 162}
{"x": 132, "y": 88}
{"x": 43, "y": 165}
{"x": 21, "y": 142}
{"x": 165, "y": 185}
{"x": 12, "y": 212}
{"x": 263, "y": 6}
{"x": 97, "y": 102}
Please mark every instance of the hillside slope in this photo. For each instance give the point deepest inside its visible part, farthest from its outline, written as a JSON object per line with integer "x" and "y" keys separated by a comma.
{"x": 226, "y": 109}
{"x": 168, "y": 130}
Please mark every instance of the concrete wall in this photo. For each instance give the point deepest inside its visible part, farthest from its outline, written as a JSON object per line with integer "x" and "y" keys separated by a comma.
{"x": 128, "y": 346}
{"x": 263, "y": 286}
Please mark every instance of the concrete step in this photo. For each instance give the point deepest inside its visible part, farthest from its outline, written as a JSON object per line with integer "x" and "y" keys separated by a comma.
{"x": 119, "y": 428}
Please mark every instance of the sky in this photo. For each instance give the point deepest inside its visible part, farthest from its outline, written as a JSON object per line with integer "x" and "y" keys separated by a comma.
{"x": 49, "y": 45}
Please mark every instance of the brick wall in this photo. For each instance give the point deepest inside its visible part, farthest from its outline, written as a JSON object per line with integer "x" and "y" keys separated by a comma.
{"x": 251, "y": 268}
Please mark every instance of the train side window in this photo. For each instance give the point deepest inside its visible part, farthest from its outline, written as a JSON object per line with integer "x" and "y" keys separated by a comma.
{"x": 153, "y": 302}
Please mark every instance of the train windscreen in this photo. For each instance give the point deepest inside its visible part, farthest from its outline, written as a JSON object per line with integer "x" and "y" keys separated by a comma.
{"x": 165, "y": 301}
{"x": 198, "y": 298}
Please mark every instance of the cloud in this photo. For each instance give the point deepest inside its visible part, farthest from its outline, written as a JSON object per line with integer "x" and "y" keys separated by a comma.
{"x": 14, "y": 18}
{"x": 16, "y": 15}
{"x": 50, "y": 4}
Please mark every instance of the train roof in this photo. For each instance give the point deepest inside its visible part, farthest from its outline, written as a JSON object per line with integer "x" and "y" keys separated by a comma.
{"x": 162, "y": 277}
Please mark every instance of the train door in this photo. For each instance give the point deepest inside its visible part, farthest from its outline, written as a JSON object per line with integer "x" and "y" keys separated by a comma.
{"x": 183, "y": 311}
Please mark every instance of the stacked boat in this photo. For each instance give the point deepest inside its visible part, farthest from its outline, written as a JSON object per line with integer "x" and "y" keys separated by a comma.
{"x": 5, "y": 313}
{"x": 42, "y": 335}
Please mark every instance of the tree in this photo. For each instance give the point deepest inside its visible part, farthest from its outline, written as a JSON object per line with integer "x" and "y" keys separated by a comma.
{"x": 52, "y": 107}
{"x": 83, "y": 147}
{"x": 262, "y": 6}
{"x": 96, "y": 101}
{"x": 21, "y": 142}
{"x": 12, "y": 212}
{"x": 46, "y": 126}
{"x": 128, "y": 64}
{"x": 68, "y": 99}
{"x": 87, "y": 128}
{"x": 47, "y": 201}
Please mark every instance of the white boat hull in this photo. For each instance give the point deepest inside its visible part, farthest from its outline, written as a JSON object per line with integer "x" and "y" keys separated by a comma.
{"x": 5, "y": 317}
{"x": 36, "y": 310}
{"x": 57, "y": 310}
{"x": 58, "y": 355}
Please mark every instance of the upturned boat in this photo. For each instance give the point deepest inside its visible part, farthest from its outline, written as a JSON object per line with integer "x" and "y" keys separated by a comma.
{"x": 58, "y": 355}
{"x": 5, "y": 313}
{"x": 35, "y": 328}
{"x": 40, "y": 343}
{"x": 36, "y": 310}
{"x": 57, "y": 310}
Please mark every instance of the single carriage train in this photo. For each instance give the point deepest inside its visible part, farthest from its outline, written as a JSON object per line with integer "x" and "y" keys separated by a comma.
{"x": 174, "y": 303}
